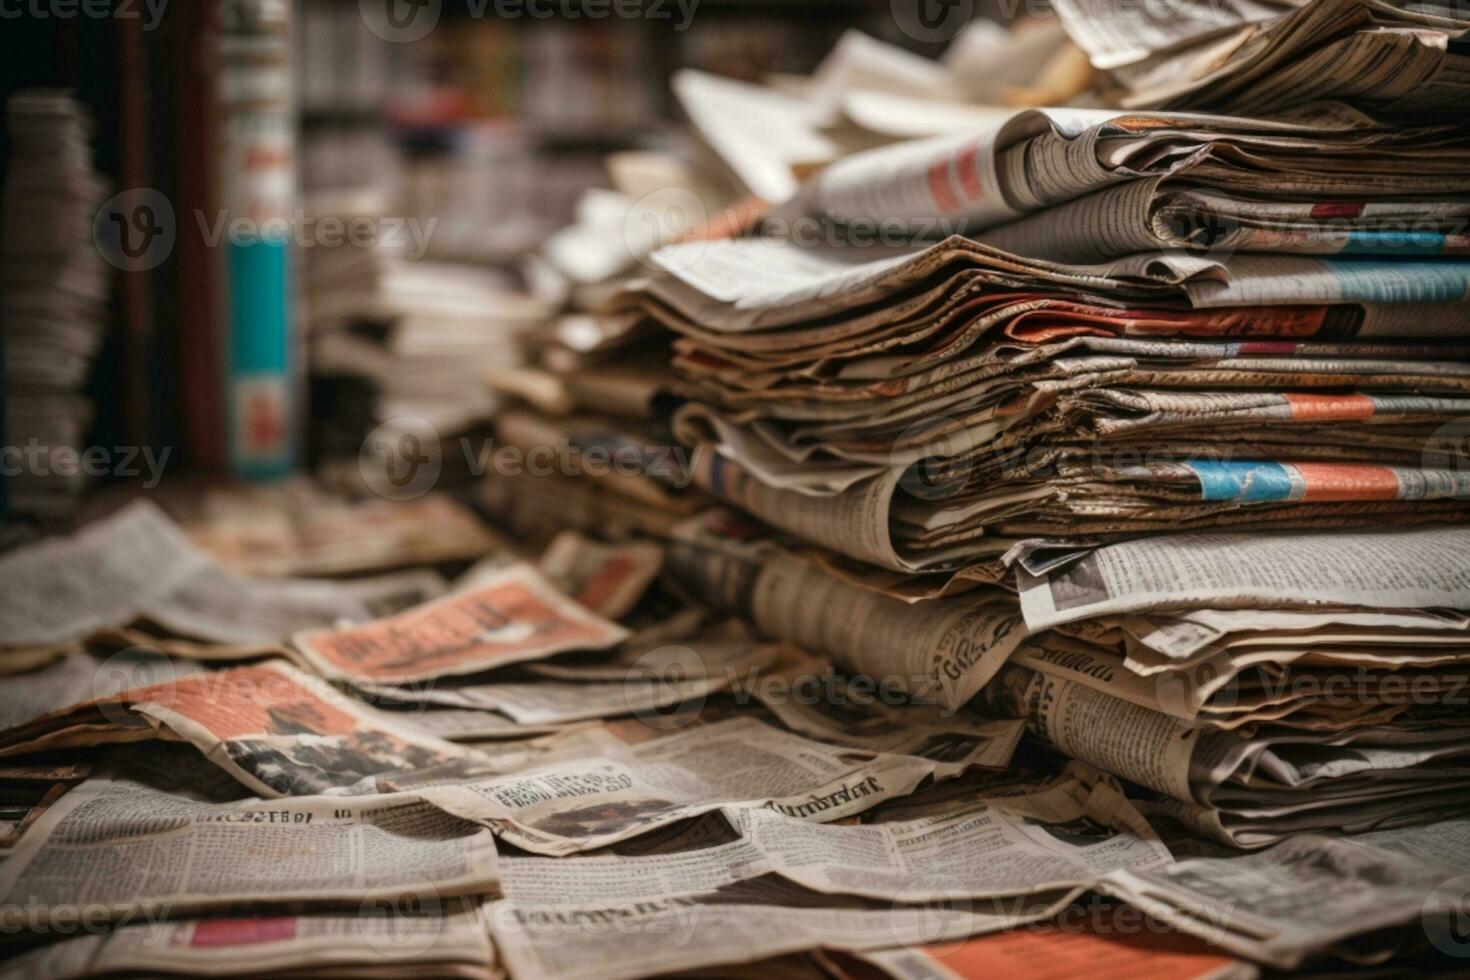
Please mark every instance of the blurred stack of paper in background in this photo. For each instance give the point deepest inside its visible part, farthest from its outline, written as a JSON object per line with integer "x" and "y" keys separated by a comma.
{"x": 595, "y": 386}
{"x": 398, "y": 341}
{"x": 55, "y": 298}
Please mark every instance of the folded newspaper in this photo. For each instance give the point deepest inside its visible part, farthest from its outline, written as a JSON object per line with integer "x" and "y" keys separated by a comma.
{"x": 1267, "y": 57}
{"x": 928, "y": 409}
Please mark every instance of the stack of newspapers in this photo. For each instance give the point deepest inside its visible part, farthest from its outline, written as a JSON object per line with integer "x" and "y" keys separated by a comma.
{"x": 55, "y": 293}
{"x": 931, "y": 539}
{"x": 1192, "y": 385}
{"x": 1145, "y": 425}
{"x": 1261, "y": 58}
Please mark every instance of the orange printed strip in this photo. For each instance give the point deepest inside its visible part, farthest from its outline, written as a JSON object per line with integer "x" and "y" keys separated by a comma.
{"x": 1123, "y": 946}
{"x": 514, "y": 616}
{"x": 1308, "y": 407}
{"x": 251, "y": 700}
{"x": 1267, "y": 481}
{"x": 1324, "y": 482}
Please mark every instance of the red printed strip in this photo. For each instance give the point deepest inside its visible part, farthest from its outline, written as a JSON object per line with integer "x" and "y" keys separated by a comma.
{"x": 940, "y": 186}
{"x": 1264, "y": 321}
{"x": 243, "y": 932}
{"x": 1308, "y": 408}
{"x": 1266, "y": 347}
{"x": 968, "y": 165}
{"x": 1327, "y": 482}
{"x": 1344, "y": 209}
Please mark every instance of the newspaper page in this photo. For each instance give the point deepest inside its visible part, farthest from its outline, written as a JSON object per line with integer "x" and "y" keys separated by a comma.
{"x": 1259, "y": 278}
{"x": 137, "y": 563}
{"x": 78, "y": 677}
{"x": 1169, "y": 213}
{"x": 1126, "y": 739}
{"x": 608, "y": 579}
{"x": 645, "y": 681}
{"x": 298, "y": 530}
{"x": 63, "y": 588}
{"x": 976, "y": 177}
{"x": 278, "y": 731}
{"x": 859, "y": 62}
{"x": 1312, "y": 892}
{"x": 1112, "y": 944}
{"x": 1184, "y": 634}
{"x": 220, "y": 606}
{"x": 510, "y": 617}
{"x": 1038, "y": 839}
{"x": 943, "y": 651}
{"x": 1389, "y": 56}
{"x": 1404, "y": 569}
{"x": 1115, "y": 34}
{"x": 128, "y": 850}
{"x": 381, "y": 939}
{"x": 809, "y": 697}
{"x": 913, "y": 186}
{"x": 741, "y": 286}
{"x": 760, "y": 134}
{"x": 855, "y": 522}
{"x": 474, "y": 725}
{"x": 1349, "y": 775}
{"x": 940, "y": 652}
{"x": 737, "y": 924}
{"x": 1081, "y": 662}
{"x": 963, "y": 184}
{"x": 1062, "y": 836}
{"x": 579, "y": 804}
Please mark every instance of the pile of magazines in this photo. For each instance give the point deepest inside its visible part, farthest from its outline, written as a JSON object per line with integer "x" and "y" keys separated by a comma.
{"x": 984, "y": 541}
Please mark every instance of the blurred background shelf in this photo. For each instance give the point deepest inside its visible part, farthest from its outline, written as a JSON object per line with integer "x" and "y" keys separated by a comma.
{"x": 490, "y": 129}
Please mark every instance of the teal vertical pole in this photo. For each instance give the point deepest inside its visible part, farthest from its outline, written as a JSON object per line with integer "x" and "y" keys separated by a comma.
{"x": 258, "y": 189}
{"x": 258, "y": 272}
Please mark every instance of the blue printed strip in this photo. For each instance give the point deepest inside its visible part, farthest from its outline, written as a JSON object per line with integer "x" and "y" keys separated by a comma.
{"x": 1248, "y": 481}
{"x": 1386, "y": 281}
{"x": 1373, "y": 241}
